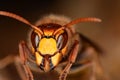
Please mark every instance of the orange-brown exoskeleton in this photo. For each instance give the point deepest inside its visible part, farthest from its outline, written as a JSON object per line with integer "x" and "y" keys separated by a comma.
{"x": 54, "y": 44}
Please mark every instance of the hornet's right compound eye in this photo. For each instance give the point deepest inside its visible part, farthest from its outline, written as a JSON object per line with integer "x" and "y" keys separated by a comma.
{"x": 35, "y": 39}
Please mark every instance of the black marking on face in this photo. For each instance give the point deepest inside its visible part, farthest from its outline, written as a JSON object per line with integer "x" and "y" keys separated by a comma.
{"x": 42, "y": 64}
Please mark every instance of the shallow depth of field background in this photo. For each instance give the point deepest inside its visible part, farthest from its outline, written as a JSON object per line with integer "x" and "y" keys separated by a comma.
{"x": 105, "y": 34}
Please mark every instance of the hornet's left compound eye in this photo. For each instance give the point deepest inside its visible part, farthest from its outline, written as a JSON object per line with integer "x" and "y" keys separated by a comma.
{"x": 35, "y": 39}
{"x": 62, "y": 40}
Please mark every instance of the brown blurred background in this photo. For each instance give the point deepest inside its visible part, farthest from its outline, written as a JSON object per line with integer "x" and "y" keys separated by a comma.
{"x": 106, "y": 34}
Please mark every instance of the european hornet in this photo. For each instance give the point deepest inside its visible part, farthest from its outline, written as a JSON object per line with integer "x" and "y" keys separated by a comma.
{"x": 54, "y": 44}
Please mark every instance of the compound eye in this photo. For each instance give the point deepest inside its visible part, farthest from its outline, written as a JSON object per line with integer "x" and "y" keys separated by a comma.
{"x": 60, "y": 41}
{"x": 37, "y": 40}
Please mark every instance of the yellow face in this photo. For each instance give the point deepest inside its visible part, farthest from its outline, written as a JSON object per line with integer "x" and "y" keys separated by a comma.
{"x": 48, "y": 49}
{"x": 47, "y": 46}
